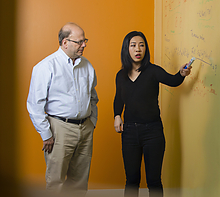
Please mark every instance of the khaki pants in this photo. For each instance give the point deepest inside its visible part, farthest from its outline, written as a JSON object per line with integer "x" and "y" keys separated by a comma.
{"x": 68, "y": 164}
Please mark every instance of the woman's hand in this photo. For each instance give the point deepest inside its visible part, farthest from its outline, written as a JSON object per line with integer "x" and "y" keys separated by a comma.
{"x": 118, "y": 124}
{"x": 185, "y": 72}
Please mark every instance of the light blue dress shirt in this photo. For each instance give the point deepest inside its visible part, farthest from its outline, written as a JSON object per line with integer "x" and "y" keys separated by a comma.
{"x": 59, "y": 87}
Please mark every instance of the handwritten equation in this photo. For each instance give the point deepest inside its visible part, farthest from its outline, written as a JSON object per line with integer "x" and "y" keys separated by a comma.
{"x": 190, "y": 30}
{"x": 202, "y": 55}
{"x": 178, "y": 13}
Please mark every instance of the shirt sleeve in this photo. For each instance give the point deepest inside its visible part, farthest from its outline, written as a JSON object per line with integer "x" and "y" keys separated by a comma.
{"x": 94, "y": 101}
{"x": 118, "y": 102}
{"x": 40, "y": 82}
{"x": 167, "y": 78}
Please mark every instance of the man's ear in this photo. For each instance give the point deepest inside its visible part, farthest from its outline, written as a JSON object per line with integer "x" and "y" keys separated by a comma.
{"x": 64, "y": 43}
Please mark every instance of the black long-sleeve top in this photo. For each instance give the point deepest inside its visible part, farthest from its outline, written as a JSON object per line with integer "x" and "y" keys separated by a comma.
{"x": 140, "y": 98}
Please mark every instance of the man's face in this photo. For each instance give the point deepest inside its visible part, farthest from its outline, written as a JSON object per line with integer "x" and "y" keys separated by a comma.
{"x": 75, "y": 50}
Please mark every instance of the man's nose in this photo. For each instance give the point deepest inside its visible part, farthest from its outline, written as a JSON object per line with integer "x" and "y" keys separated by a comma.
{"x": 83, "y": 44}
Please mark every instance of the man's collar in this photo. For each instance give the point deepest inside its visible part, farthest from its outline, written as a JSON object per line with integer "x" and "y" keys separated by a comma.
{"x": 76, "y": 62}
{"x": 68, "y": 59}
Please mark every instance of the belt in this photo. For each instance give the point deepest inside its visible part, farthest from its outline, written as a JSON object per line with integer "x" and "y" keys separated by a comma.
{"x": 73, "y": 121}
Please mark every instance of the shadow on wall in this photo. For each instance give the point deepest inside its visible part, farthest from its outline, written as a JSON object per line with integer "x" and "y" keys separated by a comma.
{"x": 8, "y": 182}
{"x": 173, "y": 152}
{"x": 172, "y": 174}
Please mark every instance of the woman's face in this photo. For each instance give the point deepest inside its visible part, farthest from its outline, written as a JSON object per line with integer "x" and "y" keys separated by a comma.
{"x": 137, "y": 49}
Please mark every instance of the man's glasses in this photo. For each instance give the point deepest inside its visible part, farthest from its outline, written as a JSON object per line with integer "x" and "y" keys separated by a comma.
{"x": 79, "y": 42}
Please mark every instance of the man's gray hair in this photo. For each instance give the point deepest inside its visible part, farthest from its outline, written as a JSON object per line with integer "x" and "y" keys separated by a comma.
{"x": 63, "y": 34}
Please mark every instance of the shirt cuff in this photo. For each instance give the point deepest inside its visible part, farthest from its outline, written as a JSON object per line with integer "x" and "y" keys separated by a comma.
{"x": 46, "y": 135}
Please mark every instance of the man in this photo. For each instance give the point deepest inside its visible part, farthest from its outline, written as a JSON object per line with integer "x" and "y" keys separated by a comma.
{"x": 62, "y": 106}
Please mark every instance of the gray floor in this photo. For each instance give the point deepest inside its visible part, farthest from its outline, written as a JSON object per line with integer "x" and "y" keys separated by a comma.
{"x": 113, "y": 193}
{"x": 168, "y": 192}
{"x": 30, "y": 192}
{"x": 90, "y": 193}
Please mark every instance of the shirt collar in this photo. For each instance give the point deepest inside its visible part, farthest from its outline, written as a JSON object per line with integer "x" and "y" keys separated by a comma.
{"x": 68, "y": 59}
{"x": 76, "y": 63}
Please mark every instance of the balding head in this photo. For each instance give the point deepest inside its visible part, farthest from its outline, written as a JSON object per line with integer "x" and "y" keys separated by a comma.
{"x": 67, "y": 29}
{"x": 72, "y": 40}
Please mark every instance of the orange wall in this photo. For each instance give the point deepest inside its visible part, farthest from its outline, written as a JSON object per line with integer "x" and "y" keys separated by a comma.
{"x": 105, "y": 24}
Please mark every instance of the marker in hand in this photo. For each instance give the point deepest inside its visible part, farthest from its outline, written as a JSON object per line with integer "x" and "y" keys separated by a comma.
{"x": 190, "y": 62}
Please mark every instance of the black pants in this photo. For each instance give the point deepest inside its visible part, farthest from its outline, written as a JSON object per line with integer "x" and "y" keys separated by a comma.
{"x": 147, "y": 140}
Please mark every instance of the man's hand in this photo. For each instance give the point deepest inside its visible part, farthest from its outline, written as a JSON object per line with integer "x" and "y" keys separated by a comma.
{"x": 48, "y": 145}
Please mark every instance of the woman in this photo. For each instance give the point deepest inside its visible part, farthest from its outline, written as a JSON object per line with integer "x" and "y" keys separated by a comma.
{"x": 137, "y": 89}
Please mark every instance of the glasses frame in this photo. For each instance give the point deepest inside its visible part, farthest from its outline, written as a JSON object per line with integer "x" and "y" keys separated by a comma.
{"x": 78, "y": 42}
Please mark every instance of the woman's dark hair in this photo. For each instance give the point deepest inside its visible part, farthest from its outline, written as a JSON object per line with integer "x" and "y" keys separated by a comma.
{"x": 126, "y": 59}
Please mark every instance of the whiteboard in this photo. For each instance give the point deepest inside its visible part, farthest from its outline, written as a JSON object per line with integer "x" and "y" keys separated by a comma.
{"x": 191, "y": 112}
